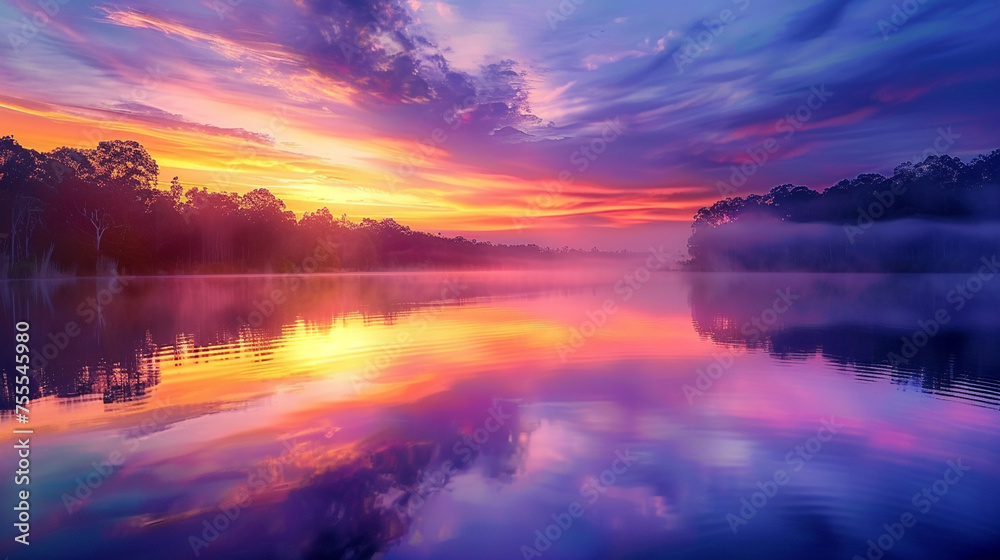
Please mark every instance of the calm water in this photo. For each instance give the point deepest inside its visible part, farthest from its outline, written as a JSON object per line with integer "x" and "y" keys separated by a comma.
{"x": 510, "y": 416}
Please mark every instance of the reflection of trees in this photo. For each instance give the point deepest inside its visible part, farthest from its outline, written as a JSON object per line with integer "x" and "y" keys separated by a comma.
{"x": 117, "y": 352}
{"x": 359, "y": 502}
{"x": 965, "y": 361}
{"x": 116, "y": 377}
{"x": 856, "y": 321}
{"x": 117, "y": 381}
{"x": 76, "y": 207}
{"x": 86, "y": 362}
{"x": 360, "y": 508}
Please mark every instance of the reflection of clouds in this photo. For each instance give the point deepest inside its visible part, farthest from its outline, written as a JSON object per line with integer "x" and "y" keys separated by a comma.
{"x": 341, "y": 496}
{"x": 725, "y": 451}
{"x": 336, "y": 500}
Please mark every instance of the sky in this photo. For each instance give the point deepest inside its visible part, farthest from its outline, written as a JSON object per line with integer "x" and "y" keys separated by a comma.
{"x": 573, "y": 122}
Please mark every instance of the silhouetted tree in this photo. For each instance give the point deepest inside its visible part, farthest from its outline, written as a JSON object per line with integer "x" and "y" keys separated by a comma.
{"x": 917, "y": 220}
{"x": 81, "y": 208}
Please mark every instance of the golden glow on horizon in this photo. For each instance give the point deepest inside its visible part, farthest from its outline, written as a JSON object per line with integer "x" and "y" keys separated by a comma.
{"x": 517, "y": 336}
{"x": 313, "y": 148}
{"x": 351, "y": 173}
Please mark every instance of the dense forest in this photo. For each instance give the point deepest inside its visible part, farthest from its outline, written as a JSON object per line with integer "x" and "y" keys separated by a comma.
{"x": 101, "y": 211}
{"x": 939, "y": 215}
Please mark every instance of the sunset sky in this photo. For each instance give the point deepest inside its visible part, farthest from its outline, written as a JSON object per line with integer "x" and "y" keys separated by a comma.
{"x": 461, "y": 117}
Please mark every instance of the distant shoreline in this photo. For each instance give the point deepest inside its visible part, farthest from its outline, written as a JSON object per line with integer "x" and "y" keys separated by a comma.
{"x": 937, "y": 216}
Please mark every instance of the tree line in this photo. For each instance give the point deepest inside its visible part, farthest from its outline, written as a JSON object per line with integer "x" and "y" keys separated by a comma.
{"x": 101, "y": 211}
{"x": 938, "y": 215}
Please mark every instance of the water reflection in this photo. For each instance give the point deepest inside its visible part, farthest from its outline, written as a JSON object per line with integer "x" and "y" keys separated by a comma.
{"x": 108, "y": 337}
{"x": 877, "y": 326}
{"x": 433, "y": 416}
{"x": 365, "y": 503}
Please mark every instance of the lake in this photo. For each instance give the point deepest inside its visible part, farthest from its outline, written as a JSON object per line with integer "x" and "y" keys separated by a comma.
{"x": 509, "y": 415}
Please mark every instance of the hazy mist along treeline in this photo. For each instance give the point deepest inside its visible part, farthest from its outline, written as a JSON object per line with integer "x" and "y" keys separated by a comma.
{"x": 939, "y": 215}
{"x": 100, "y": 211}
